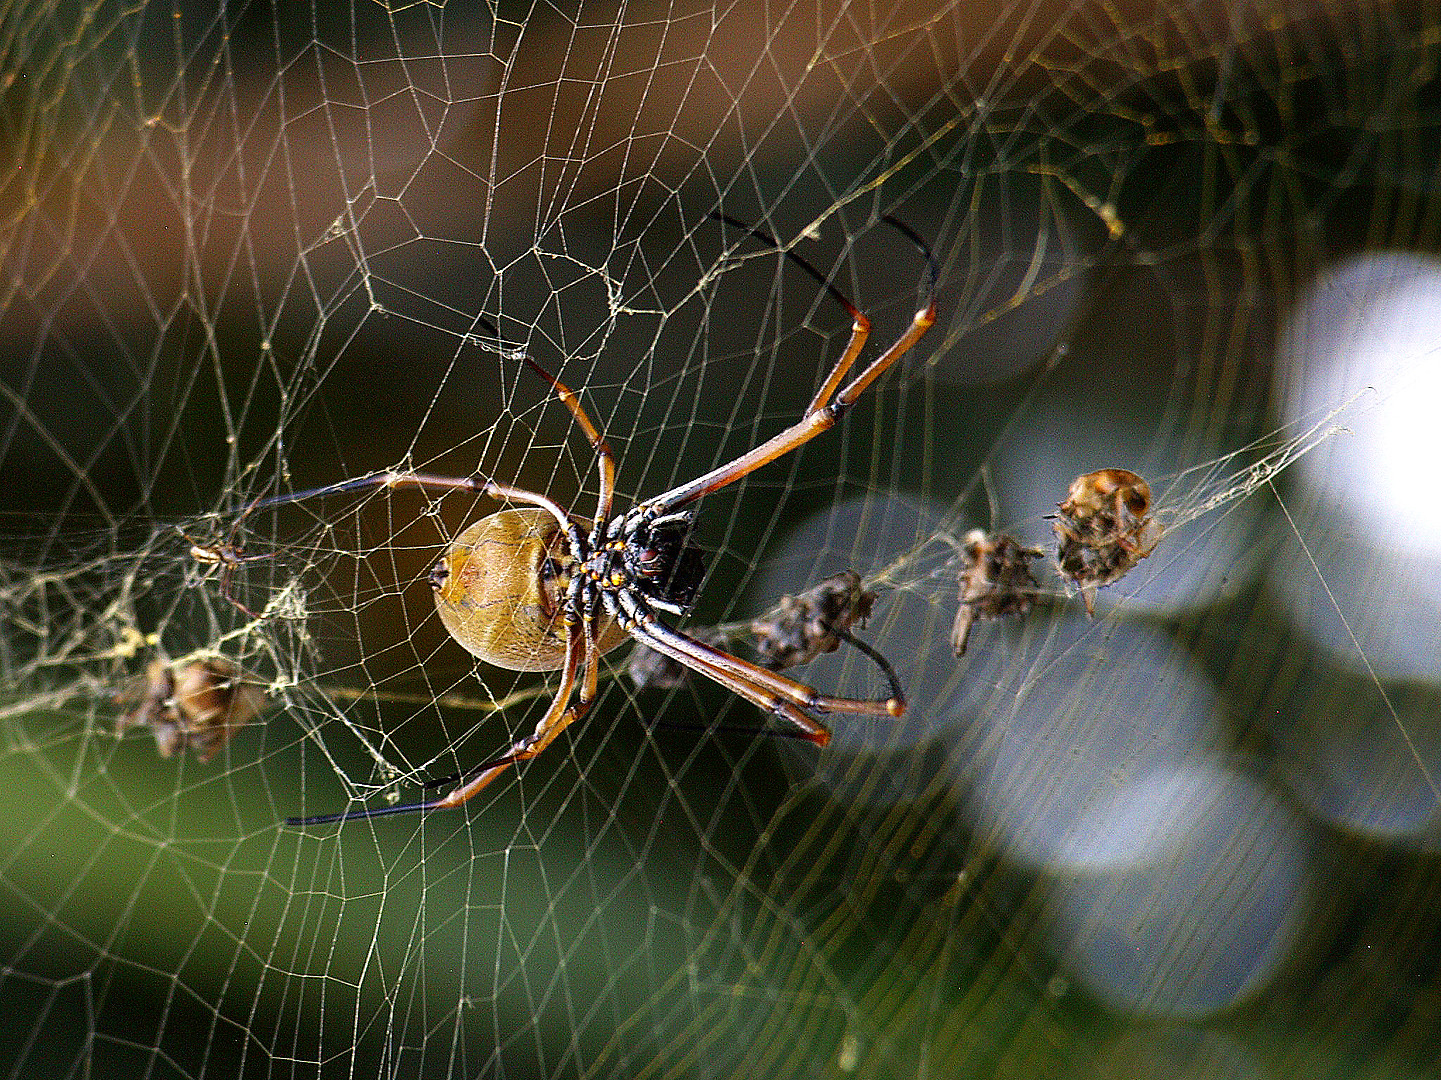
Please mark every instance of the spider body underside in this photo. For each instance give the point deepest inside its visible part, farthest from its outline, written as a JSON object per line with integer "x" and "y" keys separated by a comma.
{"x": 535, "y": 588}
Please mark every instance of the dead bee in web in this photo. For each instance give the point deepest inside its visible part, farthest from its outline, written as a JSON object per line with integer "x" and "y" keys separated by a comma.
{"x": 1103, "y": 529}
{"x": 801, "y": 627}
{"x": 995, "y": 580}
{"x": 198, "y": 704}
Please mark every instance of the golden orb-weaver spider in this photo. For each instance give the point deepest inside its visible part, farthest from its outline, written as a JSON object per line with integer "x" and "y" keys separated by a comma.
{"x": 539, "y": 589}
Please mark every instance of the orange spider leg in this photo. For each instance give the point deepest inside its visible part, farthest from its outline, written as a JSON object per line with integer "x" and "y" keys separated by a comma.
{"x": 557, "y": 718}
{"x": 860, "y": 331}
{"x": 798, "y": 434}
{"x": 823, "y": 413}
{"x": 392, "y": 479}
{"x": 860, "y": 325}
{"x": 597, "y": 440}
{"x": 810, "y": 729}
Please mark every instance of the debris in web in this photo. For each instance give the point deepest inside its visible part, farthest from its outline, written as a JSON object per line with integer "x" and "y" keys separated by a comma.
{"x": 801, "y": 627}
{"x": 1104, "y": 529}
{"x": 995, "y": 582}
{"x": 197, "y": 703}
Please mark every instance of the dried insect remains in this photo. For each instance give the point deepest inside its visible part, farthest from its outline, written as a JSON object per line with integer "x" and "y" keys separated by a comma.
{"x": 804, "y": 626}
{"x": 816, "y": 621}
{"x": 995, "y": 582}
{"x": 1103, "y": 529}
{"x": 199, "y": 704}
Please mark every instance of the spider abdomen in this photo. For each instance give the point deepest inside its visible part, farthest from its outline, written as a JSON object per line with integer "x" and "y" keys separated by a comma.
{"x": 500, "y": 590}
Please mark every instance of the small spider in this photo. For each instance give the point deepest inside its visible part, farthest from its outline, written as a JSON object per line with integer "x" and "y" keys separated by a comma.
{"x": 1103, "y": 529}
{"x": 996, "y": 582}
{"x": 198, "y": 704}
{"x": 226, "y": 556}
{"x": 539, "y": 589}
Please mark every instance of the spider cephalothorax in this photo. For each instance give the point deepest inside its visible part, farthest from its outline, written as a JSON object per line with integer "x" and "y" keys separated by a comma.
{"x": 660, "y": 561}
{"x": 534, "y": 588}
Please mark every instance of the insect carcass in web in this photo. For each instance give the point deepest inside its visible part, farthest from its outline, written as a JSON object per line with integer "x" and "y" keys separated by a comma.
{"x": 816, "y": 621}
{"x": 1103, "y": 529}
{"x": 995, "y": 583}
{"x": 198, "y": 704}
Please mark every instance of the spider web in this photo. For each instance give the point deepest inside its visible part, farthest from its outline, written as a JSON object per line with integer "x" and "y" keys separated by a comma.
{"x": 255, "y": 252}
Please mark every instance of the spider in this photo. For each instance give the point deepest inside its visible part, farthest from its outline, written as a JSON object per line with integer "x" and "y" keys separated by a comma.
{"x": 536, "y": 588}
{"x": 226, "y": 556}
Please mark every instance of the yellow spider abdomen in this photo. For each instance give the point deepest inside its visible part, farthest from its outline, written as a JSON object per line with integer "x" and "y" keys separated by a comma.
{"x": 498, "y": 594}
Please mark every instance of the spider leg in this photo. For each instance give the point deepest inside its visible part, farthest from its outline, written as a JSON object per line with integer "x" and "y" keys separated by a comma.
{"x": 556, "y": 719}
{"x": 787, "y": 698}
{"x": 822, "y": 413}
{"x": 597, "y": 440}
{"x": 807, "y": 428}
{"x": 226, "y": 583}
{"x": 394, "y": 479}
{"x": 807, "y": 727}
{"x": 572, "y": 402}
{"x": 860, "y": 325}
